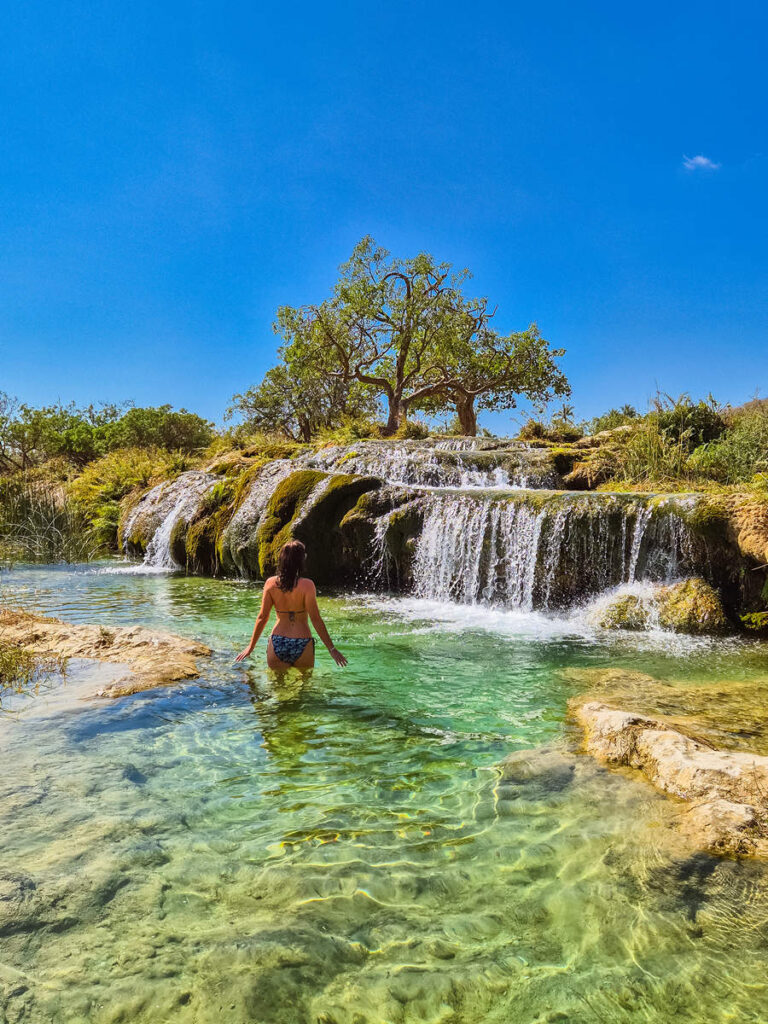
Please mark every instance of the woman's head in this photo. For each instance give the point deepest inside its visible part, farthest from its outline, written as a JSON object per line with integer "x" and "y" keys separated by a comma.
{"x": 290, "y": 564}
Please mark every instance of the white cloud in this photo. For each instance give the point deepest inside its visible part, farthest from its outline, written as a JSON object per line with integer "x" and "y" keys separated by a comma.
{"x": 699, "y": 163}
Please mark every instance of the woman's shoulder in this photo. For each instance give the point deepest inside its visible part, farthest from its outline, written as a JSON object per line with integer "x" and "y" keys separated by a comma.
{"x": 306, "y": 584}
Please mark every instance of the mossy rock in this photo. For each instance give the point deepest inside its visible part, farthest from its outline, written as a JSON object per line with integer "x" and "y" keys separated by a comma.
{"x": 756, "y": 624}
{"x": 692, "y": 607}
{"x": 330, "y": 556}
{"x": 282, "y": 509}
{"x": 709, "y": 518}
{"x": 625, "y": 612}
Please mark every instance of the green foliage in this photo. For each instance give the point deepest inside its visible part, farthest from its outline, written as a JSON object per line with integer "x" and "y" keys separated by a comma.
{"x": 557, "y": 429}
{"x": 300, "y": 400}
{"x": 740, "y": 454}
{"x": 412, "y": 430}
{"x": 30, "y": 436}
{"x": 160, "y": 427}
{"x": 685, "y": 422}
{"x": 611, "y": 419}
{"x": 403, "y": 329}
{"x": 105, "y": 483}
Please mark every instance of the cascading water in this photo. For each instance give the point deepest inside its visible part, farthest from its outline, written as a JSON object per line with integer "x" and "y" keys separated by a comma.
{"x": 168, "y": 504}
{"x": 460, "y": 463}
{"x": 525, "y": 554}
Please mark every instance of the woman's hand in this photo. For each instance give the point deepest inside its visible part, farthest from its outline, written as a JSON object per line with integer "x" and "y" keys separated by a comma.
{"x": 338, "y": 657}
{"x": 244, "y": 653}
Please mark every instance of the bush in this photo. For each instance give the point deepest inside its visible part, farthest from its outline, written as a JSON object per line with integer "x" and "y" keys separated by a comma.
{"x": 412, "y": 430}
{"x": 686, "y": 422}
{"x": 103, "y": 484}
{"x": 611, "y": 419}
{"x": 558, "y": 429}
{"x": 532, "y": 430}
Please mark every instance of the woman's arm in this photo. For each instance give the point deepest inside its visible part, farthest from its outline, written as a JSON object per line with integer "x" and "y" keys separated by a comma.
{"x": 261, "y": 620}
{"x": 320, "y": 627}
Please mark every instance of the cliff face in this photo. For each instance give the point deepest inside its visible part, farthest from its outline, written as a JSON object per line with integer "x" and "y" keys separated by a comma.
{"x": 469, "y": 521}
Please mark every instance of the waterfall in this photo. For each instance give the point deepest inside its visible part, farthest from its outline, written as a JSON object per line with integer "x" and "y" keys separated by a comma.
{"x": 525, "y": 554}
{"x": 159, "y": 548}
{"x": 463, "y": 464}
{"x": 161, "y": 509}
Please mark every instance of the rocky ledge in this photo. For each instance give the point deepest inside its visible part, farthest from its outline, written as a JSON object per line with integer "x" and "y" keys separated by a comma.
{"x": 152, "y": 658}
{"x": 725, "y": 792}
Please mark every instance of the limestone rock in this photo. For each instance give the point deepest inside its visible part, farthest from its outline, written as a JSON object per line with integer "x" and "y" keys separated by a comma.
{"x": 153, "y": 658}
{"x": 729, "y": 789}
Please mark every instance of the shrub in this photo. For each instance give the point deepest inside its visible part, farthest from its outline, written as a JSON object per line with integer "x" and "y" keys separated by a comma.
{"x": 740, "y": 455}
{"x": 412, "y": 430}
{"x": 102, "y": 485}
{"x": 532, "y": 430}
{"x": 611, "y": 419}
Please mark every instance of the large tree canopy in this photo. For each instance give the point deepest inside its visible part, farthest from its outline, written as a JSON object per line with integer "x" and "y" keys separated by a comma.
{"x": 494, "y": 370}
{"x": 404, "y": 329}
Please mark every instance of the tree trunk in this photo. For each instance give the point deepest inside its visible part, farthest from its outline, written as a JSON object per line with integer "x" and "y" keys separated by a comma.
{"x": 396, "y": 416}
{"x": 465, "y": 410}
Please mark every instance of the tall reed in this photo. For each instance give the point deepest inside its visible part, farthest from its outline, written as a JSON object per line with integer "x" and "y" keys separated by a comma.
{"x": 39, "y": 524}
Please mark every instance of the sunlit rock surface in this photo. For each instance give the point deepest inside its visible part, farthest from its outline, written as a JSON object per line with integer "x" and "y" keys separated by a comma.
{"x": 728, "y": 790}
{"x": 153, "y": 658}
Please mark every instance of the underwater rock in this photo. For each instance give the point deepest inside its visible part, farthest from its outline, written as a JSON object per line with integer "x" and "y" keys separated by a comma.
{"x": 541, "y": 771}
{"x": 154, "y": 658}
{"x": 728, "y": 790}
{"x": 693, "y": 607}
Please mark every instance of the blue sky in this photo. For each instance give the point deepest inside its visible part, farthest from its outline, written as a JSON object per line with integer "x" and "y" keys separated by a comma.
{"x": 171, "y": 173}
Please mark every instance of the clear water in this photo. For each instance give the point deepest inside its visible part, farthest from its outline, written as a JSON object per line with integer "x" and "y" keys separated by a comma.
{"x": 345, "y": 849}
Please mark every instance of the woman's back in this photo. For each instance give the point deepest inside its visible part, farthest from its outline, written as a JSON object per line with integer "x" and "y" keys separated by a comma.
{"x": 290, "y": 606}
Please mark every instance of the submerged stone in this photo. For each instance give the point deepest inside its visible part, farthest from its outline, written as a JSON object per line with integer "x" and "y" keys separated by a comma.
{"x": 728, "y": 789}
{"x": 153, "y": 658}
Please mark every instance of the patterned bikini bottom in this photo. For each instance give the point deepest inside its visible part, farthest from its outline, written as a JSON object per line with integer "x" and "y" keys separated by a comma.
{"x": 290, "y": 648}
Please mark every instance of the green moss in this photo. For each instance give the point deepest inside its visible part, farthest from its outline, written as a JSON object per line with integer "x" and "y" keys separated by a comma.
{"x": 241, "y": 484}
{"x": 626, "y": 612}
{"x": 282, "y": 508}
{"x": 708, "y": 518}
{"x": 755, "y": 623}
{"x": 693, "y": 607}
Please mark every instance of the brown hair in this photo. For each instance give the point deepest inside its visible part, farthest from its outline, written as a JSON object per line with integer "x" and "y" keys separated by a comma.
{"x": 290, "y": 564}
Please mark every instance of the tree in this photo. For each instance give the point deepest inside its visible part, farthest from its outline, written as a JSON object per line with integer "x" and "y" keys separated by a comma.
{"x": 160, "y": 426}
{"x": 405, "y": 329}
{"x": 486, "y": 370}
{"x": 295, "y": 400}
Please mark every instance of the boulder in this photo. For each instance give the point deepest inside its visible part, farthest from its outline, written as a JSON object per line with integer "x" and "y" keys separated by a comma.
{"x": 693, "y": 607}
{"x": 625, "y": 611}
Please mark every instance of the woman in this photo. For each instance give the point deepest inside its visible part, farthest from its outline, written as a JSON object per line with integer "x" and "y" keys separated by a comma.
{"x": 294, "y": 599}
